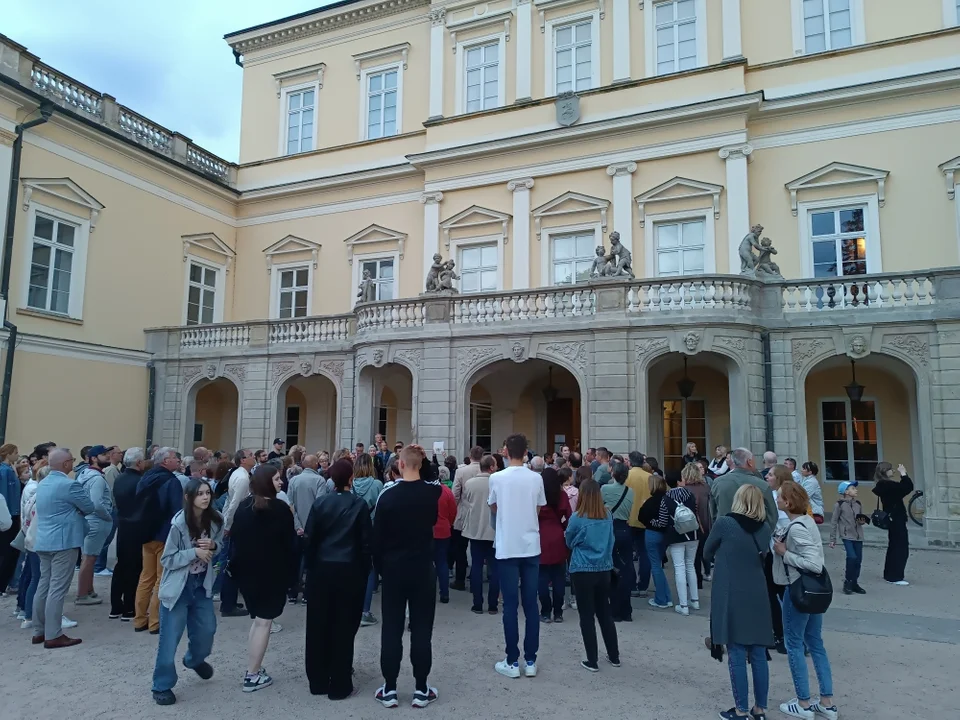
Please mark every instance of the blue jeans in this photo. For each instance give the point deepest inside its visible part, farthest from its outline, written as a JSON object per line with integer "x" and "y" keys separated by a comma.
{"x": 482, "y": 551}
{"x": 737, "y": 663}
{"x": 854, "y": 550}
{"x": 799, "y": 630}
{"x": 519, "y": 578}
{"x": 29, "y": 579}
{"x": 655, "y": 543}
{"x": 368, "y": 593}
{"x": 556, "y": 574}
{"x": 441, "y": 548}
{"x": 101, "y": 563}
{"x": 643, "y": 562}
{"x": 193, "y": 612}
{"x": 620, "y": 606}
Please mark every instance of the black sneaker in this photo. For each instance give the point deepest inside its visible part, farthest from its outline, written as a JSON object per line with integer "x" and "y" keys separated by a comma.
{"x": 252, "y": 683}
{"x": 458, "y": 586}
{"x": 114, "y": 616}
{"x": 204, "y": 670}
{"x": 444, "y": 599}
{"x": 544, "y": 618}
{"x": 758, "y": 716}
{"x": 476, "y": 610}
{"x": 614, "y": 663}
{"x": 857, "y": 589}
{"x": 387, "y": 698}
{"x": 155, "y": 632}
{"x": 126, "y": 617}
{"x": 164, "y": 697}
{"x": 422, "y": 698}
{"x": 292, "y": 601}
{"x": 558, "y": 618}
{"x": 847, "y": 590}
{"x": 731, "y": 714}
{"x": 587, "y": 665}
{"x": 236, "y": 612}
{"x": 780, "y": 647}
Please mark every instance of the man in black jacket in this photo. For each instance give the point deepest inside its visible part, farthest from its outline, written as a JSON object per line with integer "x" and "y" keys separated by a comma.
{"x": 126, "y": 574}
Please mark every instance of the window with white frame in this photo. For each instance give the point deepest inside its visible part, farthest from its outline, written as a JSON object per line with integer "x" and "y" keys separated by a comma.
{"x": 680, "y": 247}
{"x": 382, "y": 273}
{"x": 301, "y": 116}
{"x": 573, "y": 56}
{"x": 292, "y": 427}
{"x": 382, "y": 102}
{"x": 482, "y": 77}
{"x": 839, "y": 241}
{"x": 684, "y": 421}
{"x": 51, "y": 264}
{"x": 382, "y": 421}
{"x": 201, "y": 294}
{"x": 827, "y": 25}
{"x": 851, "y": 446}
{"x": 481, "y": 426}
{"x": 676, "y": 28}
{"x": 294, "y": 289}
{"x": 478, "y": 268}
{"x": 573, "y": 257}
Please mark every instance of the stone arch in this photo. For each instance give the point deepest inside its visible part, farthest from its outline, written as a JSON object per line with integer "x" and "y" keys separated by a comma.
{"x": 310, "y": 416}
{"x": 191, "y": 389}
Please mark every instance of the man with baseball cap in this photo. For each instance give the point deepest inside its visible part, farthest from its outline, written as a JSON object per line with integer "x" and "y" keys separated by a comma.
{"x": 99, "y": 522}
{"x": 277, "y": 451}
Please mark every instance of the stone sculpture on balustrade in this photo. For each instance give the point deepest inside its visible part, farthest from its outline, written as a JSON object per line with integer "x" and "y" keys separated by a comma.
{"x": 616, "y": 264}
{"x": 368, "y": 289}
{"x": 441, "y": 276}
{"x": 760, "y": 266}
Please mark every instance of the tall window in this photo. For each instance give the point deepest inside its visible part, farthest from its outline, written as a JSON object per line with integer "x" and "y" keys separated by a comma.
{"x": 482, "y": 77}
{"x": 300, "y": 119}
{"x": 294, "y": 291}
{"x": 292, "y": 430}
{"x": 850, "y": 447}
{"x": 478, "y": 268}
{"x": 679, "y": 248}
{"x": 198, "y": 432}
{"x": 676, "y": 35}
{"x": 51, "y": 265}
{"x": 201, "y": 294}
{"x": 573, "y": 257}
{"x": 684, "y": 421}
{"x": 382, "y": 421}
{"x": 839, "y": 242}
{"x": 826, "y": 25}
{"x": 382, "y": 104}
{"x": 481, "y": 426}
{"x": 381, "y": 272}
{"x": 573, "y": 50}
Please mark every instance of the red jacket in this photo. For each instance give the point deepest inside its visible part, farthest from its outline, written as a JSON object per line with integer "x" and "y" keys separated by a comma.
{"x": 553, "y": 547}
{"x": 446, "y": 513}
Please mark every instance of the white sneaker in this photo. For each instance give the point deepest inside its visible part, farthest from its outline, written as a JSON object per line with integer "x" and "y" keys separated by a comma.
{"x": 573, "y": 603}
{"x": 898, "y": 582}
{"x": 653, "y": 603}
{"x": 26, "y": 624}
{"x": 682, "y": 609}
{"x": 830, "y": 713}
{"x": 695, "y": 604}
{"x": 21, "y": 615}
{"x": 505, "y": 668}
{"x": 106, "y": 572}
{"x": 66, "y": 623}
{"x": 530, "y": 669}
{"x": 275, "y": 627}
{"x": 793, "y": 709}
{"x": 422, "y": 699}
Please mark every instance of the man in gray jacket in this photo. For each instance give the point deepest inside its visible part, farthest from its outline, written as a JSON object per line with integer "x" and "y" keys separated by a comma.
{"x": 744, "y": 473}
{"x": 304, "y": 489}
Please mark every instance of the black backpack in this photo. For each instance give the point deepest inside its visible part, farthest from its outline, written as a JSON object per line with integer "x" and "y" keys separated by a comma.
{"x": 147, "y": 517}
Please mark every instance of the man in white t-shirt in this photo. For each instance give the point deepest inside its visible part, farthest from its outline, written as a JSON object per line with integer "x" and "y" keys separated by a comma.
{"x": 516, "y": 496}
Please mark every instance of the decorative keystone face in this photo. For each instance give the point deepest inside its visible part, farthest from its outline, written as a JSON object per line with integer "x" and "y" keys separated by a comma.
{"x": 378, "y": 357}
{"x": 306, "y": 367}
{"x": 858, "y": 346}
{"x": 210, "y": 371}
{"x": 518, "y": 351}
{"x": 691, "y": 341}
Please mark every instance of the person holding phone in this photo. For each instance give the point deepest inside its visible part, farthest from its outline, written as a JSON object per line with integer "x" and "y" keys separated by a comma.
{"x": 891, "y": 487}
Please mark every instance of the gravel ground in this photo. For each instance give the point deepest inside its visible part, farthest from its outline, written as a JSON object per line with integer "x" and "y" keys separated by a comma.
{"x": 880, "y": 646}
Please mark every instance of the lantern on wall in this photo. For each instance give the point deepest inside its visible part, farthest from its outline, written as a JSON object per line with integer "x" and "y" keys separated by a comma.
{"x": 854, "y": 389}
{"x": 685, "y": 385}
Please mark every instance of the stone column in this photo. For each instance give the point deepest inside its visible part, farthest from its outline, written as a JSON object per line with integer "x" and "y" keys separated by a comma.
{"x": 622, "y": 174}
{"x": 256, "y": 422}
{"x": 434, "y": 403}
{"x": 621, "y": 40}
{"x": 521, "y": 231}
{"x": 610, "y": 401}
{"x": 941, "y": 484}
{"x": 730, "y": 16}
{"x": 524, "y": 43}
{"x": 431, "y": 230}
{"x": 738, "y": 201}
{"x": 437, "y": 16}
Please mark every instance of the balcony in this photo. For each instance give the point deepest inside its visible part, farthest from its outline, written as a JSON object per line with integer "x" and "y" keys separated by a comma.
{"x": 708, "y": 299}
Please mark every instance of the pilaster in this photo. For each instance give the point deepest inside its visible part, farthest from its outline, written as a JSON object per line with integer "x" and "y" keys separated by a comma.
{"x": 435, "y": 398}
{"x": 431, "y": 230}
{"x": 524, "y": 49}
{"x": 622, "y": 174}
{"x": 730, "y": 17}
{"x": 612, "y": 421}
{"x": 437, "y": 19}
{"x": 521, "y": 231}
{"x": 738, "y": 200}
{"x": 621, "y": 40}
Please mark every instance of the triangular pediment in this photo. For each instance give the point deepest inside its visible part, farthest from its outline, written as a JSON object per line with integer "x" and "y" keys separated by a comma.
{"x": 65, "y": 189}
{"x": 375, "y": 234}
{"x": 291, "y": 245}
{"x": 570, "y": 203}
{"x": 837, "y": 173}
{"x": 680, "y": 188}
{"x": 951, "y": 169}
{"x": 211, "y": 243}
{"x": 475, "y": 217}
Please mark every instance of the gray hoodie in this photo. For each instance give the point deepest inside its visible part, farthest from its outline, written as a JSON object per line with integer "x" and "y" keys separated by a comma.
{"x": 94, "y": 484}
{"x": 178, "y": 554}
{"x": 304, "y": 489}
{"x": 368, "y": 489}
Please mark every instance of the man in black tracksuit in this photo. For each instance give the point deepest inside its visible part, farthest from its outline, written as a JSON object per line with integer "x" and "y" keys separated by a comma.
{"x": 403, "y": 555}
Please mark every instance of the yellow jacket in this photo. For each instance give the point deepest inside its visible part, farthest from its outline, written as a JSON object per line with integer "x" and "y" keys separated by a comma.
{"x": 638, "y": 480}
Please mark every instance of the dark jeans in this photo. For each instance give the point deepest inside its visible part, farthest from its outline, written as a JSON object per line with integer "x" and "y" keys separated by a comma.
{"x": 593, "y": 593}
{"x": 898, "y": 549}
{"x": 622, "y": 561}
{"x": 457, "y": 557}
{"x": 854, "y": 550}
{"x": 556, "y": 574}
{"x": 440, "y": 550}
{"x": 368, "y": 593}
{"x": 101, "y": 563}
{"x": 482, "y": 551}
{"x": 9, "y": 555}
{"x": 29, "y": 581}
{"x": 774, "y": 595}
{"x": 643, "y": 562}
{"x": 737, "y": 663}
{"x": 126, "y": 576}
{"x": 228, "y": 588}
{"x": 297, "y": 585}
{"x": 699, "y": 565}
{"x": 414, "y": 586}
{"x": 519, "y": 578}
{"x": 334, "y": 592}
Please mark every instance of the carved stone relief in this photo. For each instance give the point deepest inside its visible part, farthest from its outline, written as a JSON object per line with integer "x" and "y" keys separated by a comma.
{"x": 737, "y": 344}
{"x": 575, "y": 352}
{"x": 413, "y": 357}
{"x": 518, "y": 352}
{"x": 189, "y": 373}
{"x": 691, "y": 342}
{"x": 281, "y": 369}
{"x": 912, "y": 346}
{"x": 306, "y": 367}
{"x": 467, "y": 358}
{"x": 210, "y": 371}
{"x": 857, "y": 346}
{"x": 239, "y": 372}
{"x": 649, "y": 345}
{"x": 334, "y": 367}
{"x": 378, "y": 357}
{"x": 803, "y": 350}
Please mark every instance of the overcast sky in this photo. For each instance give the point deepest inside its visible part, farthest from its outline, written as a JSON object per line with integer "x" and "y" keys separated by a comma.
{"x": 166, "y": 60}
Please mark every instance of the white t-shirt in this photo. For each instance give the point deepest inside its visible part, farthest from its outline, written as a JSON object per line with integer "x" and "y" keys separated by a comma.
{"x": 517, "y": 492}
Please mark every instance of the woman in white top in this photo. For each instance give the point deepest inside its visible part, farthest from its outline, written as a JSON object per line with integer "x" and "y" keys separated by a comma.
{"x": 809, "y": 482}
{"x": 718, "y": 466}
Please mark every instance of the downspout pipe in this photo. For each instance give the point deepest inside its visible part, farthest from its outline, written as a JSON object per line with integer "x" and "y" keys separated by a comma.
{"x": 46, "y": 110}
{"x": 151, "y": 403}
{"x": 767, "y": 390}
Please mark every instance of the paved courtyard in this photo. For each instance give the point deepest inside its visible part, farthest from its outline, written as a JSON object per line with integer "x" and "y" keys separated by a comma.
{"x": 894, "y": 653}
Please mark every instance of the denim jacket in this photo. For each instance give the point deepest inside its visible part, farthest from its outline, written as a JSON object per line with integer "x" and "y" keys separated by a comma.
{"x": 591, "y": 543}
{"x": 177, "y": 555}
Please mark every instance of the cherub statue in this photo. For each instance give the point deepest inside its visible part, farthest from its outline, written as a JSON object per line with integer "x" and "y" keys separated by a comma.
{"x": 368, "y": 290}
{"x": 600, "y": 262}
{"x": 447, "y": 276}
{"x": 750, "y": 242}
{"x": 766, "y": 267}
{"x": 433, "y": 277}
{"x": 619, "y": 260}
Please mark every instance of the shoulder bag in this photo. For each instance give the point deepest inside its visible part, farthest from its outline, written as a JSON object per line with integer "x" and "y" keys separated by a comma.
{"x": 810, "y": 593}
{"x": 880, "y": 518}
{"x": 620, "y": 501}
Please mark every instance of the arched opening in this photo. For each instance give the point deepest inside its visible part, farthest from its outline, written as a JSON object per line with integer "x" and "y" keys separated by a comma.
{"x": 536, "y": 397}
{"x": 386, "y": 405}
{"x": 213, "y": 416}
{"x": 307, "y": 413}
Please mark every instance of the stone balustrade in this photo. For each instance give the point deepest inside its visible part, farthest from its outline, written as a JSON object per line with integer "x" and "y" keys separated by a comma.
{"x": 556, "y": 302}
{"x": 207, "y": 163}
{"x": 307, "y": 330}
{"x": 699, "y": 293}
{"x": 143, "y": 131}
{"x": 889, "y": 290}
{"x": 215, "y": 336}
{"x": 390, "y": 314}
{"x": 65, "y": 90}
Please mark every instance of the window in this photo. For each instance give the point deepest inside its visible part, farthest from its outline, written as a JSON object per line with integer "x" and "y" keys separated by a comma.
{"x": 684, "y": 421}
{"x": 294, "y": 293}
{"x": 292, "y": 430}
{"x": 676, "y": 27}
{"x": 382, "y": 103}
{"x": 849, "y": 433}
{"x": 381, "y": 272}
{"x": 201, "y": 294}
{"x": 573, "y": 50}
{"x": 478, "y": 268}
{"x": 482, "y": 77}
{"x": 301, "y": 111}
{"x": 839, "y": 242}
{"x": 573, "y": 257}
{"x": 198, "y": 432}
{"x": 51, "y": 265}
{"x": 680, "y": 248}
{"x": 826, "y": 25}
{"x": 382, "y": 421}
{"x": 481, "y": 426}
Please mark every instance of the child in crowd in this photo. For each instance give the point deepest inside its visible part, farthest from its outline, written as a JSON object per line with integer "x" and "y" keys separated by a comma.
{"x": 848, "y": 522}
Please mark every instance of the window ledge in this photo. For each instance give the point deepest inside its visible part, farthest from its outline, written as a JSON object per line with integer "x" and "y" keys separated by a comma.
{"x": 46, "y": 315}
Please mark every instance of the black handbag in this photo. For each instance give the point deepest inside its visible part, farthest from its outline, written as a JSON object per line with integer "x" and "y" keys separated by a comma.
{"x": 880, "y": 518}
{"x": 810, "y": 593}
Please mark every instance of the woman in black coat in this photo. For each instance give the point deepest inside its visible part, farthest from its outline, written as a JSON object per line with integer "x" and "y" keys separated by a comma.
{"x": 263, "y": 564}
{"x": 891, "y": 489}
{"x": 337, "y": 556}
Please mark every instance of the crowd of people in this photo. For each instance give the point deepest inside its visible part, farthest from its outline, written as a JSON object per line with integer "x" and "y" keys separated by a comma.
{"x": 587, "y": 532}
